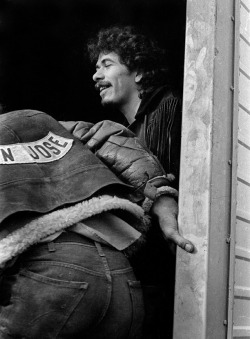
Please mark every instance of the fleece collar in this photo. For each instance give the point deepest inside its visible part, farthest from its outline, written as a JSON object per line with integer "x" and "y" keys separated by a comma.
{"x": 33, "y": 231}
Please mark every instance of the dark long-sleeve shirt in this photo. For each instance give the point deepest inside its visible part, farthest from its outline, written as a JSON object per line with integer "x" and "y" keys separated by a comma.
{"x": 158, "y": 125}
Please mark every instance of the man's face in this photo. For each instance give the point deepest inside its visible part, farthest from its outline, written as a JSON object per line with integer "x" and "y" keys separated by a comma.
{"x": 117, "y": 85}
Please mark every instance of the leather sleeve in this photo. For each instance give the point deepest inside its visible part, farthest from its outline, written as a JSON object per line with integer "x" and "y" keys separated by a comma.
{"x": 133, "y": 164}
{"x": 78, "y": 128}
{"x": 124, "y": 154}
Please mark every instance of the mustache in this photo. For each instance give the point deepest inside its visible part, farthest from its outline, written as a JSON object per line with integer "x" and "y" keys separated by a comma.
{"x": 102, "y": 84}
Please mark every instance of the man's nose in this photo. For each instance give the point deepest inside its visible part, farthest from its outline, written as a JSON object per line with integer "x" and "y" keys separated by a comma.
{"x": 98, "y": 75}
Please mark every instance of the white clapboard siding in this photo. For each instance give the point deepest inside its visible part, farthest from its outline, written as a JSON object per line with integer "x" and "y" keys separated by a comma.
{"x": 243, "y": 174}
{"x": 244, "y": 90}
{"x": 244, "y": 60}
{"x": 245, "y": 3}
{"x": 241, "y": 307}
{"x": 242, "y": 231}
{"x": 244, "y": 126}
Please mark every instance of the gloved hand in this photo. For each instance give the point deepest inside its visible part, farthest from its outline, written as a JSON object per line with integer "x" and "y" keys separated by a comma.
{"x": 165, "y": 209}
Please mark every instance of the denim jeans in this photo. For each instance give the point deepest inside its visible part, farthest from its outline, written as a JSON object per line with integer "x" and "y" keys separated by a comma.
{"x": 71, "y": 289}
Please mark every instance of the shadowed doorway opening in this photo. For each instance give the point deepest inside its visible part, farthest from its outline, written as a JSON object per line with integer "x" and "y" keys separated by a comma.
{"x": 42, "y": 43}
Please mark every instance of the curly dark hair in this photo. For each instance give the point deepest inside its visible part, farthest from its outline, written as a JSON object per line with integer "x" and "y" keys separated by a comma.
{"x": 135, "y": 50}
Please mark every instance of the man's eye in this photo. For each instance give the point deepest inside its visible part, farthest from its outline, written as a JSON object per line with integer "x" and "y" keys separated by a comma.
{"x": 107, "y": 65}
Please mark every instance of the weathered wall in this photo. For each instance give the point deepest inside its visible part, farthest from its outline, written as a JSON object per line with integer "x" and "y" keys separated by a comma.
{"x": 190, "y": 298}
{"x": 205, "y": 192}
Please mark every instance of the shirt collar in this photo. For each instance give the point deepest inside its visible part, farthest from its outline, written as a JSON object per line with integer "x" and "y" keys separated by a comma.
{"x": 149, "y": 100}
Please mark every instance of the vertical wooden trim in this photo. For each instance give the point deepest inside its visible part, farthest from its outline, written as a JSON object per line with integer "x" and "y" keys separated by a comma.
{"x": 205, "y": 179}
{"x": 195, "y": 176}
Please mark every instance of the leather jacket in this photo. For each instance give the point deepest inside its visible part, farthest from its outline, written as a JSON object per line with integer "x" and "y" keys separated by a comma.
{"x": 50, "y": 180}
{"x": 125, "y": 155}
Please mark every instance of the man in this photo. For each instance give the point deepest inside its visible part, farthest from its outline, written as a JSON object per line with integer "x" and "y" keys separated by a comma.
{"x": 68, "y": 226}
{"x": 131, "y": 76}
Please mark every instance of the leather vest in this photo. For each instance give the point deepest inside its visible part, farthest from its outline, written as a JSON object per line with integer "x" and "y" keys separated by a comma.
{"x": 43, "y": 167}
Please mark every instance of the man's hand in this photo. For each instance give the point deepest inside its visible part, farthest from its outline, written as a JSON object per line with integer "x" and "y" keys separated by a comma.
{"x": 165, "y": 209}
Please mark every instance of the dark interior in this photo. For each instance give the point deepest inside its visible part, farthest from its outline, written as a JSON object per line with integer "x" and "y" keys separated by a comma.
{"x": 43, "y": 65}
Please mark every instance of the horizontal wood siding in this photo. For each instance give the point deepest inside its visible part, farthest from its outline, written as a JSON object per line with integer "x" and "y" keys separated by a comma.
{"x": 241, "y": 307}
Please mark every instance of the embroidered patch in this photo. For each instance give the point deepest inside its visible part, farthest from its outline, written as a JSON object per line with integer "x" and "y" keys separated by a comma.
{"x": 50, "y": 148}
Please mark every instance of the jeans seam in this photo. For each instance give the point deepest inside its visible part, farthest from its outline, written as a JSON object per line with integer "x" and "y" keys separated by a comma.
{"x": 132, "y": 287}
{"x": 104, "y": 261}
{"x": 73, "y": 242}
{"x": 109, "y": 281}
{"x": 52, "y": 281}
{"x": 70, "y": 313}
{"x": 122, "y": 271}
{"x": 72, "y": 266}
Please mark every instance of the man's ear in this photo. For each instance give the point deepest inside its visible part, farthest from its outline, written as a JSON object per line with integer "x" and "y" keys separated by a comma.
{"x": 138, "y": 77}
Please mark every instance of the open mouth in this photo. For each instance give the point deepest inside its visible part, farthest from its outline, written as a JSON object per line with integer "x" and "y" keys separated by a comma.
{"x": 103, "y": 88}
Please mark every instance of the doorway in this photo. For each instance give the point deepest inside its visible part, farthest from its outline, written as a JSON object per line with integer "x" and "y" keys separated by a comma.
{"x": 43, "y": 60}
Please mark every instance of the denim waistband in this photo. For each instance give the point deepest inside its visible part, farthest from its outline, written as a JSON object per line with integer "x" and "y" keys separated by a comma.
{"x": 74, "y": 237}
{"x": 73, "y": 248}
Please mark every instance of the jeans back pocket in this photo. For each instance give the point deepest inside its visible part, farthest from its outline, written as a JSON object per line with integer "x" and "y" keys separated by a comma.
{"x": 138, "y": 309}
